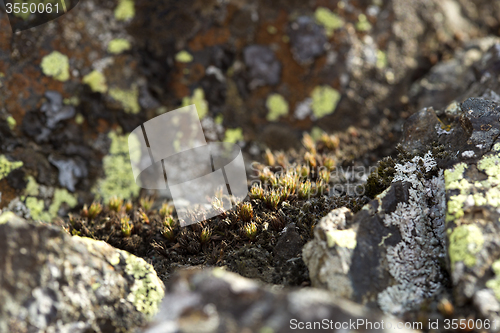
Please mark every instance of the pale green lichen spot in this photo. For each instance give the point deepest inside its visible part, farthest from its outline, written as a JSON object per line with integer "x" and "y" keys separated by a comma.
{"x": 277, "y": 106}
{"x": 7, "y": 166}
{"x": 324, "y": 100}
{"x": 466, "y": 241}
{"x": 147, "y": 291}
{"x": 11, "y": 122}
{"x": 118, "y": 45}
{"x": 37, "y": 209}
{"x": 128, "y": 98}
{"x": 328, "y": 19}
{"x": 125, "y": 10}
{"x": 342, "y": 238}
{"x": 491, "y": 166}
{"x": 96, "y": 81}
{"x": 453, "y": 176}
{"x": 494, "y": 284}
{"x": 496, "y": 147}
{"x": 233, "y": 135}
{"x": 198, "y": 99}
{"x": 363, "y": 24}
{"x": 56, "y": 65}
{"x": 381, "y": 59}
{"x": 61, "y": 195}
{"x": 183, "y": 56}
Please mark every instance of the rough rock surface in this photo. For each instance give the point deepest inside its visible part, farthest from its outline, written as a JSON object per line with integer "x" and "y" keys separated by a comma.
{"x": 52, "y": 282}
{"x": 219, "y": 301}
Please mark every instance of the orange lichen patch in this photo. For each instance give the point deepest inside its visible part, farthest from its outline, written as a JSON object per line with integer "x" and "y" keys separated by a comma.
{"x": 213, "y": 36}
{"x": 8, "y": 193}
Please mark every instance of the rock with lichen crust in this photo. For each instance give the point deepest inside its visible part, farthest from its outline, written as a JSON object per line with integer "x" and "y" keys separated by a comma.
{"x": 52, "y": 282}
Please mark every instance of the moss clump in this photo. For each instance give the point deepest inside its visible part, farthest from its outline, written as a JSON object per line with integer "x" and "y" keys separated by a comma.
{"x": 277, "y": 106}
{"x": 184, "y": 57}
{"x": 198, "y": 99}
{"x": 324, "y": 100}
{"x": 125, "y": 10}
{"x": 466, "y": 241}
{"x": 381, "y": 178}
{"x": 7, "y": 166}
{"x": 118, "y": 176}
{"x": 118, "y": 45}
{"x": 128, "y": 98}
{"x": 56, "y": 65}
{"x": 328, "y": 19}
{"x": 233, "y": 135}
{"x": 96, "y": 81}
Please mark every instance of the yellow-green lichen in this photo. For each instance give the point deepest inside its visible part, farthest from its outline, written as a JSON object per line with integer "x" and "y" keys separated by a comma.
{"x": 496, "y": 146}
{"x": 363, "y": 24}
{"x": 328, "y": 19}
{"x": 6, "y": 217}
{"x": 219, "y": 119}
{"x": 61, "y": 195}
{"x": 79, "y": 119}
{"x": 128, "y": 98}
{"x": 277, "y": 106}
{"x": 147, "y": 291}
{"x": 11, "y": 122}
{"x": 37, "y": 209}
{"x": 198, "y": 99}
{"x": 73, "y": 100}
{"x": 56, "y": 65}
{"x": 32, "y": 187}
{"x": 7, "y": 166}
{"x": 271, "y": 29}
{"x": 455, "y": 207}
{"x": 125, "y": 10}
{"x": 316, "y": 133}
{"x": 342, "y": 238}
{"x": 491, "y": 166}
{"x": 118, "y": 176}
{"x": 381, "y": 59}
{"x": 118, "y": 45}
{"x": 96, "y": 81}
{"x": 324, "y": 100}
{"x": 183, "y": 56}
{"x": 233, "y": 135}
{"x": 453, "y": 176}
{"x": 494, "y": 284}
{"x": 466, "y": 241}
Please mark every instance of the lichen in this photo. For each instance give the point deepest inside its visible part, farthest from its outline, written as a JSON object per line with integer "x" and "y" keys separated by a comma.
{"x": 494, "y": 284}
{"x": 198, "y": 99}
{"x": 96, "y": 81}
{"x": 37, "y": 209}
{"x": 32, "y": 187}
{"x": 421, "y": 224}
{"x": 183, "y": 56}
{"x": 328, "y": 19}
{"x": 7, "y": 166}
{"x": 277, "y": 106}
{"x": 118, "y": 176}
{"x": 56, "y": 65}
{"x": 60, "y": 196}
{"x": 118, "y": 45}
{"x": 342, "y": 238}
{"x": 128, "y": 98}
{"x": 363, "y": 24}
{"x": 381, "y": 59}
{"x": 125, "y": 10}
{"x": 490, "y": 164}
{"x": 6, "y": 217}
{"x": 11, "y": 122}
{"x": 147, "y": 291}
{"x": 452, "y": 176}
{"x": 324, "y": 100}
{"x": 233, "y": 135}
{"x": 466, "y": 241}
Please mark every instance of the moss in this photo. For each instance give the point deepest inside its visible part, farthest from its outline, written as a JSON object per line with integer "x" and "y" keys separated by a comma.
{"x": 198, "y": 99}
{"x": 118, "y": 45}
{"x": 56, "y": 65}
{"x": 147, "y": 291}
{"x": 342, "y": 238}
{"x": 96, "y": 81}
{"x": 363, "y": 24}
{"x": 37, "y": 209}
{"x": 60, "y": 196}
{"x": 465, "y": 243}
{"x": 324, "y": 100}
{"x": 7, "y": 166}
{"x": 118, "y": 176}
{"x": 381, "y": 178}
{"x": 11, "y": 122}
{"x": 128, "y": 98}
{"x": 233, "y": 135}
{"x": 277, "y": 106}
{"x": 184, "y": 57}
{"x": 125, "y": 10}
{"x": 328, "y": 19}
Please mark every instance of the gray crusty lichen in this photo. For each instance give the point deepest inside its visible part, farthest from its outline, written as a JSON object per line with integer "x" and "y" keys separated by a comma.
{"x": 414, "y": 262}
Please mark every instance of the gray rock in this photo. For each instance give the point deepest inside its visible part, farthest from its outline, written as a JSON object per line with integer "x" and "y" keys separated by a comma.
{"x": 263, "y": 67}
{"x": 308, "y": 39}
{"x": 219, "y": 301}
{"x": 70, "y": 171}
{"x": 52, "y": 282}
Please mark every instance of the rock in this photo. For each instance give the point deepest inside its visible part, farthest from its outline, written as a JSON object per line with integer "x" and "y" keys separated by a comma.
{"x": 262, "y": 64}
{"x": 53, "y": 282}
{"x": 69, "y": 171}
{"x": 215, "y": 300}
{"x": 308, "y": 39}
